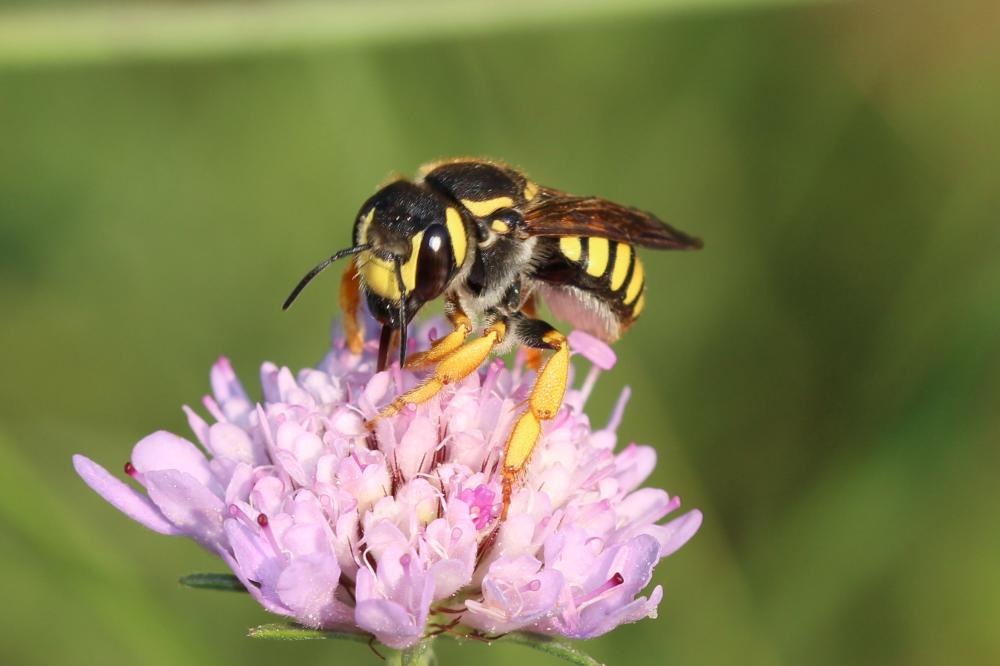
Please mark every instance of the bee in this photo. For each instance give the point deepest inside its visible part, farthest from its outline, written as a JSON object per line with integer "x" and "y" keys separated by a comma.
{"x": 492, "y": 244}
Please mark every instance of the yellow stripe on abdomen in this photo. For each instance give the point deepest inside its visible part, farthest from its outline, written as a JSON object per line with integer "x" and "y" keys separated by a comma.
{"x": 623, "y": 257}
{"x": 571, "y": 247}
{"x": 597, "y": 256}
{"x": 635, "y": 284}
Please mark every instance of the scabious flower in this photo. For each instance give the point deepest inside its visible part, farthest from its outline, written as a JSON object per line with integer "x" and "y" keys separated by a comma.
{"x": 382, "y": 532}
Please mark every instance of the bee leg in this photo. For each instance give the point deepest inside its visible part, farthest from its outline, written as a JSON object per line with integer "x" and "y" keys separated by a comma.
{"x": 543, "y": 403}
{"x": 453, "y": 367}
{"x": 442, "y": 347}
{"x": 532, "y": 355}
{"x": 350, "y": 301}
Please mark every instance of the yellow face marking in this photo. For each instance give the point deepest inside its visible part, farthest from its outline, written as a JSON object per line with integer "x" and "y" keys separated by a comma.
{"x": 409, "y": 269}
{"x": 488, "y": 207}
{"x": 571, "y": 247}
{"x": 597, "y": 256}
{"x": 379, "y": 275}
{"x": 456, "y": 230}
{"x": 363, "y": 227}
{"x": 639, "y": 305}
{"x": 635, "y": 284}
{"x": 500, "y": 226}
{"x": 623, "y": 255}
{"x": 530, "y": 190}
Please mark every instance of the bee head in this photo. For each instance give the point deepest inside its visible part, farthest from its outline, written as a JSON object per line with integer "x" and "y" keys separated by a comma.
{"x": 411, "y": 236}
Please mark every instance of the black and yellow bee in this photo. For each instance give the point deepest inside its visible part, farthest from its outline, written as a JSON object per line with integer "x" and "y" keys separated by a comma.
{"x": 492, "y": 242}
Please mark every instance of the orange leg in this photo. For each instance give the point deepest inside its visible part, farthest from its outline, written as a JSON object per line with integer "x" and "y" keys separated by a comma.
{"x": 545, "y": 400}
{"x": 532, "y": 356}
{"x": 350, "y": 302}
{"x": 454, "y": 366}
{"x": 442, "y": 347}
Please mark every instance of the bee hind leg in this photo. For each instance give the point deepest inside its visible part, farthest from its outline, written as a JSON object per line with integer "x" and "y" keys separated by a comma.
{"x": 543, "y": 403}
{"x": 532, "y": 355}
{"x": 453, "y": 367}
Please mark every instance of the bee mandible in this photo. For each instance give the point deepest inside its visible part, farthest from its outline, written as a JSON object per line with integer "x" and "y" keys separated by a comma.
{"x": 493, "y": 244}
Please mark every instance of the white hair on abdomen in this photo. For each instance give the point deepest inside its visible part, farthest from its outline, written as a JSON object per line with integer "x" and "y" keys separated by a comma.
{"x": 583, "y": 310}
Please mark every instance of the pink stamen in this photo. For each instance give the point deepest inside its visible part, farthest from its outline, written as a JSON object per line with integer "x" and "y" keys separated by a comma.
{"x": 240, "y": 515}
{"x": 588, "y": 384}
{"x": 619, "y": 410}
{"x": 265, "y": 527}
{"x": 213, "y": 408}
{"x": 532, "y": 586}
{"x": 134, "y": 473}
{"x": 589, "y": 598}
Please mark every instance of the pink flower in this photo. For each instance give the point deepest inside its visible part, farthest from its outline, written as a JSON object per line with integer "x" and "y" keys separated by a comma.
{"x": 344, "y": 529}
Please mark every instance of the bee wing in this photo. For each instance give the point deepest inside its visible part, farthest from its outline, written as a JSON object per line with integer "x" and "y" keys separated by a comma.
{"x": 554, "y": 213}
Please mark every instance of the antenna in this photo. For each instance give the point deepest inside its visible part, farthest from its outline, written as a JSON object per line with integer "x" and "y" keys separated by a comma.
{"x": 319, "y": 269}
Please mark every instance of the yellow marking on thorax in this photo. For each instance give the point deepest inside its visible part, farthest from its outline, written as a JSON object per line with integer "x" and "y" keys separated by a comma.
{"x": 597, "y": 256}
{"x": 571, "y": 247}
{"x": 456, "y": 230}
{"x": 484, "y": 208}
{"x": 623, "y": 255}
{"x": 530, "y": 190}
{"x": 363, "y": 227}
{"x": 500, "y": 226}
{"x": 635, "y": 284}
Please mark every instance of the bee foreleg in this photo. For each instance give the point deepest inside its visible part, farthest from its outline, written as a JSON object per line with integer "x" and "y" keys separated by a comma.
{"x": 452, "y": 368}
{"x": 444, "y": 346}
{"x": 350, "y": 301}
{"x": 543, "y": 403}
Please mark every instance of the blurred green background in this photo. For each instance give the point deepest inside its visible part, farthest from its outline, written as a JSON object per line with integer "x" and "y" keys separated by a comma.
{"x": 822, "y": 380}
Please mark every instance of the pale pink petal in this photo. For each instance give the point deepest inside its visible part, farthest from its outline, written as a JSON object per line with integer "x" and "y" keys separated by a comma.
{"x": 164, "y": 450}
{"x": 679, "y": 531}
{"x": 187, "y": 504}
{"x": 307, "y": 587}
{"x": 594, "y": 350}
{"x": 123, "y": 497}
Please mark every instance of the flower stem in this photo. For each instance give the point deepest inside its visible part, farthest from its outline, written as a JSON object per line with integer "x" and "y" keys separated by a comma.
{"x": 421, "y": 654}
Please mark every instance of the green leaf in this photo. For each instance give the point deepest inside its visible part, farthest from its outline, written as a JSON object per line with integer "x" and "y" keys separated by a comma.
{"x": 213, "y": 581}
{"x": 422, "y": 652}
{"x": 112, "y": 33}
{"x": 551, "y": 646}
{"x": 288, "y": 631}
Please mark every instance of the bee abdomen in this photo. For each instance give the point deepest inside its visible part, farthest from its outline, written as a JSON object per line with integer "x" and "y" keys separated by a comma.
{"x": 608, "y": 269}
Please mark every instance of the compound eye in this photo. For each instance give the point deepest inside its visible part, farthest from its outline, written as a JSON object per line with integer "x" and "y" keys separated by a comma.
{"x": 435, "y": 263}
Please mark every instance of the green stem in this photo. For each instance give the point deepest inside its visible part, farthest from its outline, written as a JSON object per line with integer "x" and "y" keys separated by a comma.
{"x": 421, "y": 654}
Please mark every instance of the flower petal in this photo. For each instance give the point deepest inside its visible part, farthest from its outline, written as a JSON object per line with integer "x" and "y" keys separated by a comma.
{"x": 123, "y": 497}
{"x": 594, "y": 350}
{"x": 307, "y": 586}
{"x": 164, "y": 450}
{"x": 679, "y": 531}
{"x": 187, "y": 504}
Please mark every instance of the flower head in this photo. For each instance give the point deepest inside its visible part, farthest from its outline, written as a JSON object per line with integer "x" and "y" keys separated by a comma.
{"x": 346, "y": 529}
